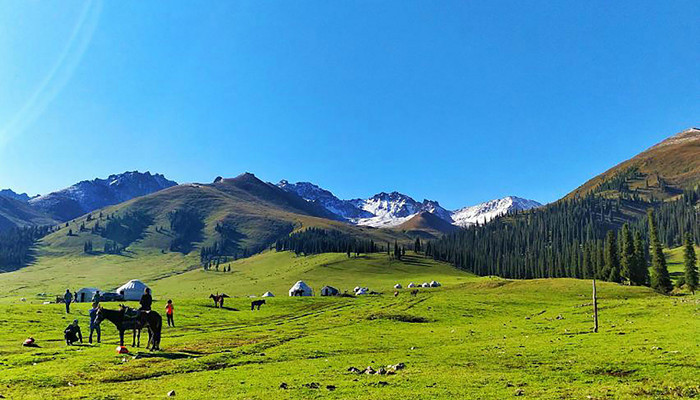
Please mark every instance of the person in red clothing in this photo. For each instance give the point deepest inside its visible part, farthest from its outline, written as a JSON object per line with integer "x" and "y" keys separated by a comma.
{"x": 169, "y": 312}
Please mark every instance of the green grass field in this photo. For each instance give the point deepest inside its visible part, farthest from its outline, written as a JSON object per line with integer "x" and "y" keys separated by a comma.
{"x": 472, "y": 338}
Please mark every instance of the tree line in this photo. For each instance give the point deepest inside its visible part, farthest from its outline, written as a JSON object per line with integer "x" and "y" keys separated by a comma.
{"x": 317, "y": 240}
{"x": 586, "y": 237}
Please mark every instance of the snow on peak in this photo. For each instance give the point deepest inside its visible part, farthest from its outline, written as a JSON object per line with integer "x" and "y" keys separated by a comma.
{"x": 385, "y": 210}
{"x": 485, "y": 212}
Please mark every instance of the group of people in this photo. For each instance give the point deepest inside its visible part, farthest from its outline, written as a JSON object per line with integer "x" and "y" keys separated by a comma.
{"x": 72, "y": 333}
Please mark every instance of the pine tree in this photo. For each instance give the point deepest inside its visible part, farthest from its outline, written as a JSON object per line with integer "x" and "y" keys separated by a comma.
{"x": 690, "y": 262}
{"x": 627, "y": 260}
{"x": 640, "y": 273}
{"x": 612, "y": 260}
{"x": 660, "y": 279}
{"x": 416, "y": 246}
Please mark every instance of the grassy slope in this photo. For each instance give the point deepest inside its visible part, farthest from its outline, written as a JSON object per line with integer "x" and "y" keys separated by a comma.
{"x": 675, "y": 160}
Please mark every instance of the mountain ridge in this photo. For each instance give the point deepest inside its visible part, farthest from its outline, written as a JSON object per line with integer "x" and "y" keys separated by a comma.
{"x": 392, "y": 209}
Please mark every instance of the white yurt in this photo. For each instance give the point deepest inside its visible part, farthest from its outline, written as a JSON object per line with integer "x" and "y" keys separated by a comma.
{"x": 329, "y": 291}
{"x": 268, "y": 294}
{"x": 301, "y": 285}
{"x": 85, "y": 294}
{"x": 425, "y": 284}
{"x": 398, "y": 286}
{"x": 411, "y": 285}
{"x": 435, "y": 284}
{"x": 132, "y": 290}
{"x": 362, "y": 291}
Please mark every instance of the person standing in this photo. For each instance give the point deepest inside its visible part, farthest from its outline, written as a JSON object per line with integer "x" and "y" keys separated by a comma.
{"x": 68, "y": 298}
{"x": 146, "y": 300}
{"x": 72, "y": 333}
{"x": 96, "y": 297}
{"x": 94, "y": 326}
{"x": 169, "y": 313}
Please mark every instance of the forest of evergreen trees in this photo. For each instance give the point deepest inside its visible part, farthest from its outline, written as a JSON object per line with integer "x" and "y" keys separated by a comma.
{"x": 316, "y": 241}
{"x": 16, "y": 245}
{"x": 573, "y": 238}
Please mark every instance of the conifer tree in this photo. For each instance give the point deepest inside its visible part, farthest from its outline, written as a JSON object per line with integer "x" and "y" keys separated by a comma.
{"x": 627, "y": 261}
{"x": 640, "y": 273}
{"x": 660, "y": 279}
{"x": 612, "y": 260}
{"x": 690, "y": 261}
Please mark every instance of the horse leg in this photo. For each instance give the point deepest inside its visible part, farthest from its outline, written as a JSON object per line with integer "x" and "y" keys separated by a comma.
{"x": 133, "y": 338}
{"x": 121, "y": 337}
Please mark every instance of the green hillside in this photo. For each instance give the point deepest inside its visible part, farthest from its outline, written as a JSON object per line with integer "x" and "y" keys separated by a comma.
{"x": 176, "y": 275}
{"x": 473, "y": 338}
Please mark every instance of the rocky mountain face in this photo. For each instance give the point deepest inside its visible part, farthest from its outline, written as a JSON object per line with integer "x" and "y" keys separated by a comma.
{"x": 87, "y": 196}
{"x": 10, "y": 194}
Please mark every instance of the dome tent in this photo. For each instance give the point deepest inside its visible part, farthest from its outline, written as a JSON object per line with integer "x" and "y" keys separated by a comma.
{"x": 85, "y": 294}
{"x": 329, "y": 291}
{"x": 411, "y": 285}
{"x": 132, "y": 290}
{"x": 301, "y": 289}
{"x": 397, "y": 286}
{"x": 268, "y": 294}
{"x": 435, "y": 284}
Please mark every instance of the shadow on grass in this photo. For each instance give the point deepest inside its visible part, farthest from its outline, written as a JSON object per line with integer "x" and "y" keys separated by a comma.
{"x": 224, "y": 308}
{"x": 166, "y": 355}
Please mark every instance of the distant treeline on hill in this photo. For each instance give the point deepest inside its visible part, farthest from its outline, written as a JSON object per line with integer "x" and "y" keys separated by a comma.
{"x": 316, "y": 241}
{"x": 16, "y": 244}
{"x": 571, "y": 238}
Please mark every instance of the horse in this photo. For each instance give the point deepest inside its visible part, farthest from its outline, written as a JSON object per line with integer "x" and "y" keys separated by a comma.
{"x": 298, "y": 293}
{"x": 143, "y": 319}
{"x": 256, "y": 303}
{"x": 218, "y": 299}
{"x": 414, "y": 292}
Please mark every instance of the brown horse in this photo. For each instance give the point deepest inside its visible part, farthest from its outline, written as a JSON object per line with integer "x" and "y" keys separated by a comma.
{"x": 141, "y": 319}
{"x": 218, "y": 299}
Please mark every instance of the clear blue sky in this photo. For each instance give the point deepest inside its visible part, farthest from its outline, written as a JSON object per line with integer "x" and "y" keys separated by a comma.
{"x": 458, "y": 101}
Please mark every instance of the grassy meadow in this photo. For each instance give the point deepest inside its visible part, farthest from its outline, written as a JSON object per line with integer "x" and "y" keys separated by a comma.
{"x": 475, "y": 337}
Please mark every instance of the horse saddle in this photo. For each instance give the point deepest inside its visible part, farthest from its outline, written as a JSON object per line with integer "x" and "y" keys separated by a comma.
{"x": 132, "y": 313}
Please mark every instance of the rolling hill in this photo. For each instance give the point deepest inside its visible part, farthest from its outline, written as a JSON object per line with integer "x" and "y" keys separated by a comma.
{"x": 426, "y": 225}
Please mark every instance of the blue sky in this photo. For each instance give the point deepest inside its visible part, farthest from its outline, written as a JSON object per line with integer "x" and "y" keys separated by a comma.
{"x": 456, "y": 101}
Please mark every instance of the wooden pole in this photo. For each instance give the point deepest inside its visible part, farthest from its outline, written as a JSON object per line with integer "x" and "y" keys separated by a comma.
{"x": 595, "y": 309}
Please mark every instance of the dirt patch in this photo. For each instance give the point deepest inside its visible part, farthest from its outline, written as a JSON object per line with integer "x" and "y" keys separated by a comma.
{"x": 398, "y": 317}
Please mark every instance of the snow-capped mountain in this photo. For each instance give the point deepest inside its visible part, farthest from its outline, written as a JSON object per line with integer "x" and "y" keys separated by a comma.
{"x": 345, "y": 209}
{"x": 10, "y": 194}
{"x": 385, "y": 210}
{"x": 485, "y": 212}
{"x": 87, "y": 196}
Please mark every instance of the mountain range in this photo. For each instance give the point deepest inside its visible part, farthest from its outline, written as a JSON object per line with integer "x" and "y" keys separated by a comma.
{"x": 388, "y": 210}
{"x": 144, "y": 212}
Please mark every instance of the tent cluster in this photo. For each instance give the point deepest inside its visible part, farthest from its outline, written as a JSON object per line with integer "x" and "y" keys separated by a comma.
{"x": 130, "y": 291}
{"x": 424, "y": 285}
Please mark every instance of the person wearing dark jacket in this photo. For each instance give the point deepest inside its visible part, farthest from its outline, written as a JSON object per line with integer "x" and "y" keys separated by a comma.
{"x": 72, "y": 333}
{"x": 94, "y": 325}
{"x": 68, "y": 298}
{"x": 146, "y": 300}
